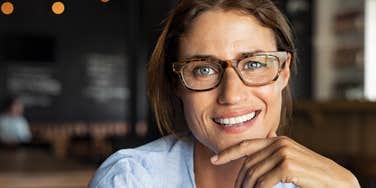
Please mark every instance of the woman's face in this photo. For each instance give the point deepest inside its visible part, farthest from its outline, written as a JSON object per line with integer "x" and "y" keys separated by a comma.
{"x": 16, "y": 108}
{"x": 225, "y": 35}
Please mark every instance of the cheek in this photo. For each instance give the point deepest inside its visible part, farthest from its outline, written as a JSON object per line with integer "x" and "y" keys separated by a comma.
{"x": 196, "y": 107}
{"x": 271, "y": 95}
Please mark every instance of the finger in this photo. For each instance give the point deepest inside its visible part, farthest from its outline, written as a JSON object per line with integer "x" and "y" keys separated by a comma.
{"x": 248, "y": 147}
{"x": 286, "y": 172}
{"x": 259, "y": 169}
{"x": 244, "y": 148}
{"x": 241, "y": 175}
{"x": 276, "y": 148}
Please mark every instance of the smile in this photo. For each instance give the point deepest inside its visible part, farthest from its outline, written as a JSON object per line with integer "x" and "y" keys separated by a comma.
{"x": 235, "y": 120}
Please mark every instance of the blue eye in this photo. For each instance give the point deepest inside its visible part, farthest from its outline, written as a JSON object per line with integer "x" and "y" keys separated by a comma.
{"x": 203, "y": 71}
{"x": 254, "y": 65}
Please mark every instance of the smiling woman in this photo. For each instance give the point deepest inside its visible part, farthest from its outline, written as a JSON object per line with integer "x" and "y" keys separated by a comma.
{"x": 223, "y": 67}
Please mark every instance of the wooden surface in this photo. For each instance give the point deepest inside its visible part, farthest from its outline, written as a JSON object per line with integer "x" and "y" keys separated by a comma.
{"x": 36, "y": 168}
{"x": 345, "y": 130}
{"x": 337, "y": 106}
{"x": 59, "y": 135}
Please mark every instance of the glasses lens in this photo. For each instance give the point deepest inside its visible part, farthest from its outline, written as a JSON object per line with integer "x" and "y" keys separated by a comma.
{"x": 201, "y": 74}
{"x": 259, "y": 69}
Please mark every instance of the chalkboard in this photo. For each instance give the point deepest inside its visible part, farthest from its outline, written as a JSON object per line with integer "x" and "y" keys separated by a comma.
{"x": 69, "y": 67}
{"x": 99, "y": 94}
{"x": 92, "y": 58}
{"x": 93, "y": 87}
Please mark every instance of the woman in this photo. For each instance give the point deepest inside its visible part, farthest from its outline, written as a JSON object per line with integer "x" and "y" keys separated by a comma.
{"x": 14, "y": 128}
{"x": 223, "y": 67}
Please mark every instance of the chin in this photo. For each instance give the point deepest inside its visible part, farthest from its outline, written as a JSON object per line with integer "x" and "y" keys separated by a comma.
{"x": 227, "y": 141}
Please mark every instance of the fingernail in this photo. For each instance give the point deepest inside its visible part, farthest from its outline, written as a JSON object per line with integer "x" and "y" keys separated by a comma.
{"x": 214, "y": 158}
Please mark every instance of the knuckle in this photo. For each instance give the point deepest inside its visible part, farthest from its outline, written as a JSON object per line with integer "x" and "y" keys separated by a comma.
{"x": 283, "y": 141}
{"x": 287, "y": 165}
{"x": 260, "y": 182}
{"x": 284, "y": 151}
{"x": 284, "y": 137}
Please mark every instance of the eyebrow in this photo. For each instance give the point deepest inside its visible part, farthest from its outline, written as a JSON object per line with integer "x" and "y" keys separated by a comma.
{"x": 246, "y": 54}
{"x": 198, "y": 56}
{"x": 204, "y": 56}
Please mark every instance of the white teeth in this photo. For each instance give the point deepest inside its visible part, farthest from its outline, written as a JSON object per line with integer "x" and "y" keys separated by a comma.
{"x": 226, "y": 121}
{"x": 243, "y": 118}
{"x": 235, "y": 120}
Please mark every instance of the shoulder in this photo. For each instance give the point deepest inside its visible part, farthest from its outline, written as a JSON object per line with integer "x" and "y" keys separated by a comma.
{"x": 147, "y": 165}
{"x": 3, "y": 117}
{"x": 3, "y": 120}
{"x": 6, "y": 118}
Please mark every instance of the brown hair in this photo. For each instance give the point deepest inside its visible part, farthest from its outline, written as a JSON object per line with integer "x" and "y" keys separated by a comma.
{"x": 163, "y": 83}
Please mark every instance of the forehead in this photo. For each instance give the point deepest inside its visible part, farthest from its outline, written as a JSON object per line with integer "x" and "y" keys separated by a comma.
{"x": 225, "y": 34}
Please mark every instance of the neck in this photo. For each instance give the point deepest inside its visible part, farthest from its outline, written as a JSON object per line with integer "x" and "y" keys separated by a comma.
{"x": 209, "y": 175}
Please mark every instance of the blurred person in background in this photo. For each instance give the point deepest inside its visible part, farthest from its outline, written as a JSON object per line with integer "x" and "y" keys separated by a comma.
{"x": 222, "y": 66}
{"x": 14, "y": 129}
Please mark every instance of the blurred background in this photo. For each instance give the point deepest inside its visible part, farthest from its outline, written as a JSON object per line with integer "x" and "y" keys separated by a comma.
{"x": 75, "y": 72}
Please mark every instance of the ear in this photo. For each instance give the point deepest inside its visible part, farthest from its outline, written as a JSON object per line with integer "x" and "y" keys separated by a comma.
{"x": 285, "y": 72}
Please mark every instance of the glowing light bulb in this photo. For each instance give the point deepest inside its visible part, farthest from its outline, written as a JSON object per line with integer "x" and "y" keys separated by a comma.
{"x": 7, "y": 8}
{"x": 58, "y": 7}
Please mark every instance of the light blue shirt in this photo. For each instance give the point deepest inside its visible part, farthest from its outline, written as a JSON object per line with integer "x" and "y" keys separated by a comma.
{"x": 164, "y": 163}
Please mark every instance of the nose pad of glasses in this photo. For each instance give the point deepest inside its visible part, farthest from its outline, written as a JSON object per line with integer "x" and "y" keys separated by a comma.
{"x": 227, "y": 63}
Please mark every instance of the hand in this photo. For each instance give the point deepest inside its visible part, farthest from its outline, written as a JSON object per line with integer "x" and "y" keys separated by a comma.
{"x": 280, "y": 159}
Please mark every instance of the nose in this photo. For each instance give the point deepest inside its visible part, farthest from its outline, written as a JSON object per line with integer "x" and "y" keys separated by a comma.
{"x": 232, "y": 89}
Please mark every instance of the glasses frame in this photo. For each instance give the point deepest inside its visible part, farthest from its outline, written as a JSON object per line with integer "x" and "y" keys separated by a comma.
{"x": 281, "y": 56}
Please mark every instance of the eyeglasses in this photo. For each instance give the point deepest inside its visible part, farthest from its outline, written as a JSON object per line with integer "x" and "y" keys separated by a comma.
{"x": 254, "y": 69}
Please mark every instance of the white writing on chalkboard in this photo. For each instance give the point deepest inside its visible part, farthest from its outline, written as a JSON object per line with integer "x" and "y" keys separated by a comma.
{"x": 106, "y": 78}
{"x": 36, "y": 85}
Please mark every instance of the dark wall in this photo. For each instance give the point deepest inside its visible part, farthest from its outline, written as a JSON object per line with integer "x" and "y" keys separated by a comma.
{"x": 87, "y": 78}
{"x": 300, "y": 14}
